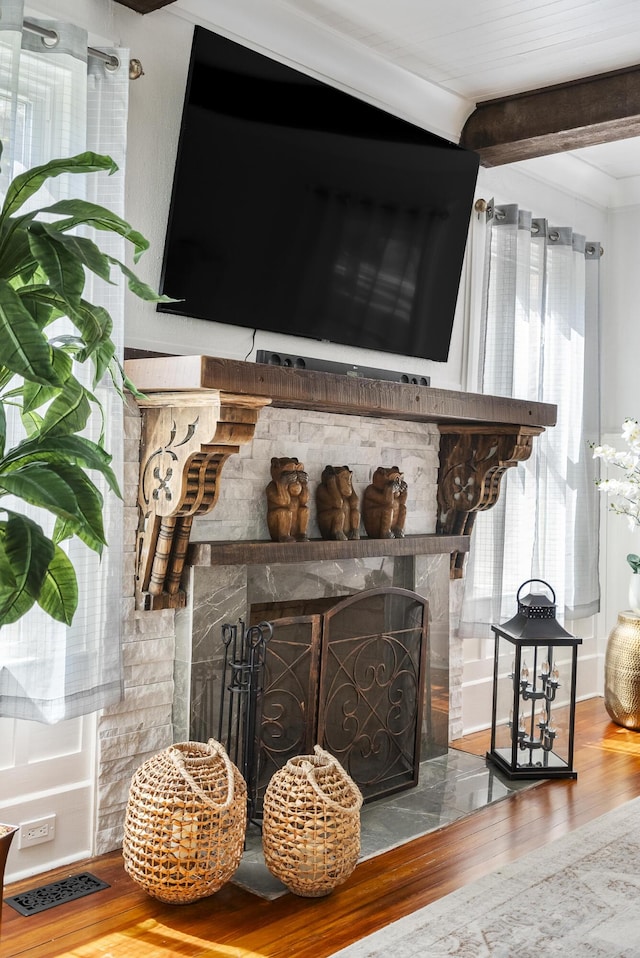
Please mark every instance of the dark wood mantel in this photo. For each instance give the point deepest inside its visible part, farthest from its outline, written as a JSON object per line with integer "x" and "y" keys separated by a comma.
{"x": 198, "y": 410}
{"x": 328, "y": 392}
{"x": 317, "y": 550}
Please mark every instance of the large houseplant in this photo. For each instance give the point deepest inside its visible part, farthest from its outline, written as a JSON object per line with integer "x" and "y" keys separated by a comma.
{"x": 47, "y": 465}
{"x": 43, "y": 269}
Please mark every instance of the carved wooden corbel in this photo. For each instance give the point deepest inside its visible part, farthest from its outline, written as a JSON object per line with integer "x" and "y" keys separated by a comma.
{"x": 186, "y": 439}
{"x": 473, "y": 459}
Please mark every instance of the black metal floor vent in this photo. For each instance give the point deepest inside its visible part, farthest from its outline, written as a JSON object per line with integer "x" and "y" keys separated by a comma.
{"x": 56, "y": 893}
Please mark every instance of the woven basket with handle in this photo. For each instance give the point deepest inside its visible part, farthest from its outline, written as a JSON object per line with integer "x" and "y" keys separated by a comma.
{"x": 311, "y": 824}
{"x": 185, "y": 822}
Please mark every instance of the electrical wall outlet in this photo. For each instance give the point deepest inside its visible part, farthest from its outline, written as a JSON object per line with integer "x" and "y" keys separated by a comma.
{"x": 37, "y": 832}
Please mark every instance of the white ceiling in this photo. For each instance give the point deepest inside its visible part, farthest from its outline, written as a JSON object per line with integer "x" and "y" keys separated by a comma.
{"x": 479, "y": 49}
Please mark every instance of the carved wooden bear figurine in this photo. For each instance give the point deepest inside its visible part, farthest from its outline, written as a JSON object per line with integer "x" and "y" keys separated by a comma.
{"x": 287, "y": 498}
{"x": 384, "y": 507}
{"x": 337, "y": 504}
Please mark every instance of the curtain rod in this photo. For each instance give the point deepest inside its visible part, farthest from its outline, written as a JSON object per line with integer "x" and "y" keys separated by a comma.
{"x": 111, "y": 61}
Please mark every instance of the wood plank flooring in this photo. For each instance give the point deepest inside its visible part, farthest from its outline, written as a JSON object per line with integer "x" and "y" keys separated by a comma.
{"x": 123, "y": 922}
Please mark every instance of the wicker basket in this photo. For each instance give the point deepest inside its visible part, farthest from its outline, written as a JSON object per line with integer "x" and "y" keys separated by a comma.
{"x": 311, "y": 824}
{"x": 185, "y": 823}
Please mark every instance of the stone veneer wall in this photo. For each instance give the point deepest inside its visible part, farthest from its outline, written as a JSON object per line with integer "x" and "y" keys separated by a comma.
{"x": 142, "y": 723}
{"x": 318, "y": 439}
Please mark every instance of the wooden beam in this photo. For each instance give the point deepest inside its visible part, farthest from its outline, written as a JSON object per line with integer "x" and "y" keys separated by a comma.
{"x": 567, "y": 116}
{"x": 145, "y": 6}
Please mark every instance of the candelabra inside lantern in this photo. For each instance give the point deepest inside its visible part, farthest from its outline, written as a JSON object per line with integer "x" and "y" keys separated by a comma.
{"x": 542, "y": 731}
{"x": 525, "y": 739}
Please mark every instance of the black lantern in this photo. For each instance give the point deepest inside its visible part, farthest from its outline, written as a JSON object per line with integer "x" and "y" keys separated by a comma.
{"x": 534, "y": 691}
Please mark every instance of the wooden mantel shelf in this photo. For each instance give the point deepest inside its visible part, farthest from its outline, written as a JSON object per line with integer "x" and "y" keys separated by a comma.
{"x": 316, "y": 550}
{"x": 198, "y": 410}
{"x": 286, "y": 386}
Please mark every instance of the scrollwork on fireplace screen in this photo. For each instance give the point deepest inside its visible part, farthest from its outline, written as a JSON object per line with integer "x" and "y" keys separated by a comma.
{"x": 353, "y": 679}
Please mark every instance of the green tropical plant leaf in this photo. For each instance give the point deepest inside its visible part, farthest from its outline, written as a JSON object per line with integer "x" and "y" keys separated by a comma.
{"x": 75, "y": 449}
{"x": 7, "y": 576}
{"x": 14, "y": 602}
{"x": 139, "y": 288}
{"x": 103, "y": 358}
{"x": 69, "y": 412}
{"x": 15, "y": 254}
{"x": 42, "y": 303}
{"x": 66, "y": 492}
{"x": 84, "y": 213}
{"x": 26, "y": 184}
{"x": 27, "y": 551}
{"x": 62, "y": 268}
{"x": 58, "y": 596}
{"x": 95, "y": 325}
{"x": 142, "y": 289}
{"x": 24, "y": 350}
{"x": 90, "y": 528}
{"x": 35, "y": 395}
{"x": 40, "y": 485}
{"x": 125, "y": 381}
{"x": 32, "y": 422}
{"x": 92, "y": 322}
{"x": 82, "y": 249}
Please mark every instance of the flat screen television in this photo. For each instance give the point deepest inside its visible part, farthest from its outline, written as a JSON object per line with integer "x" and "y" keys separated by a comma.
{"x": 300, "y": 209}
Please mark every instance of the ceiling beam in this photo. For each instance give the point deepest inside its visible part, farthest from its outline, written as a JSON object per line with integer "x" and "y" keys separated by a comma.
{"x": 144, "y": 6}
{"x": 567, "y": 116}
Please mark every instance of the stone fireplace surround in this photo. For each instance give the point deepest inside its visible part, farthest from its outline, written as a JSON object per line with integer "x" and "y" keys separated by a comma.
{"x": 229, "y": 593}
{"x": 453, "y": 448}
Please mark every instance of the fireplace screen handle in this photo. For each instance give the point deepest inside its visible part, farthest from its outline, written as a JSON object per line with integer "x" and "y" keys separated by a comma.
{"x": 243, "y": 662}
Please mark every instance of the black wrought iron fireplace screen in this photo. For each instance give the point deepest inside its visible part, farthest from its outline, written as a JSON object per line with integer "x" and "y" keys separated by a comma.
{"x": 347, "y": 673}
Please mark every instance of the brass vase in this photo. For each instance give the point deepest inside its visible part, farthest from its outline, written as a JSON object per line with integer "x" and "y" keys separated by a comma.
{"x": 622, "y": 671}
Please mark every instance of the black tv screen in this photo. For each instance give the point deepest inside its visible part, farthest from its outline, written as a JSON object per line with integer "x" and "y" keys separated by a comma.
{"x": 299, "y": 209}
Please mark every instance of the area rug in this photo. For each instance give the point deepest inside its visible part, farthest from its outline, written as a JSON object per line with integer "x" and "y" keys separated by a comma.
{"x": 577, "y": 897}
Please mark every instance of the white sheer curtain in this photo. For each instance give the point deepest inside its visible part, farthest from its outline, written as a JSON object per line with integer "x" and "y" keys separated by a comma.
{"x": 56, "y": 101}
{"x": 538, "y": 341}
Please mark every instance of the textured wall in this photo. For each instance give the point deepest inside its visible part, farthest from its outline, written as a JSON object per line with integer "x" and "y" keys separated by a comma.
{"x": 141, "y": 724}
{"x": 319, "y": 439}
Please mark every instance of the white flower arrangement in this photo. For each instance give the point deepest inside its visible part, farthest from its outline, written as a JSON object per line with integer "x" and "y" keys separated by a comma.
{"x": 626, "y": 491}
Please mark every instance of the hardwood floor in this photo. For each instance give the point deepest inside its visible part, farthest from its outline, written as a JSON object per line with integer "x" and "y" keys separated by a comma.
{"x": 123, "y": 922}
